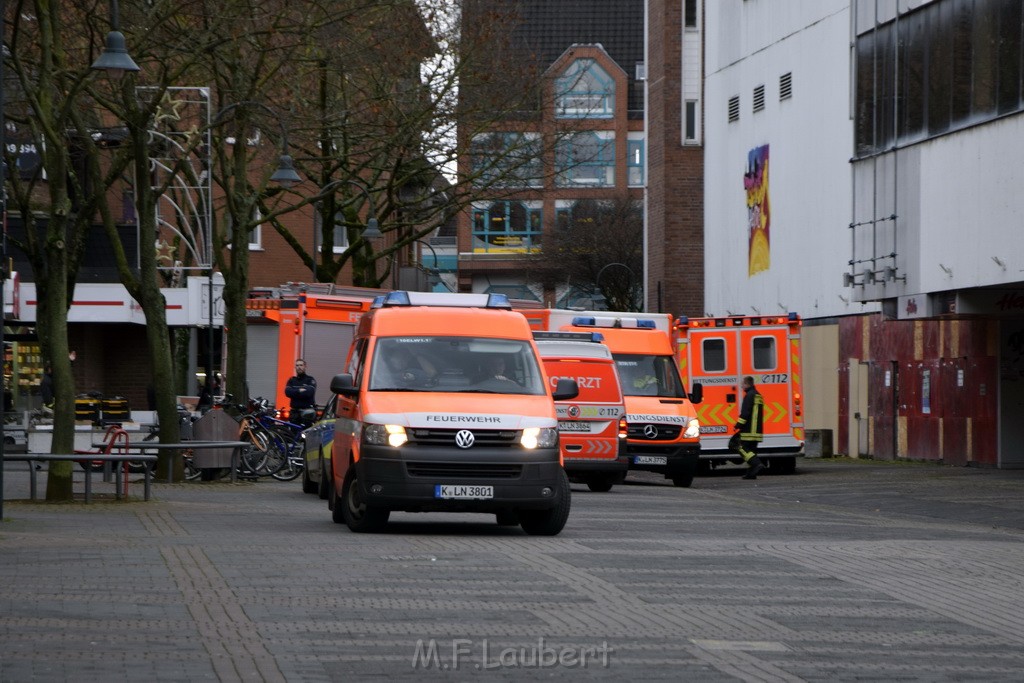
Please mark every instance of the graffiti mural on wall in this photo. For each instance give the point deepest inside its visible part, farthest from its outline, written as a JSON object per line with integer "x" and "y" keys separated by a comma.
{"x": 755, "y": 182}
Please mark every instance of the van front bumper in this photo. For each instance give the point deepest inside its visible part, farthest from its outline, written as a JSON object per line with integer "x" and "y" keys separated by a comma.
{"x": 670, "y": 459}
{"x": 407, "y": 478}
{"x": 575, "y": 466}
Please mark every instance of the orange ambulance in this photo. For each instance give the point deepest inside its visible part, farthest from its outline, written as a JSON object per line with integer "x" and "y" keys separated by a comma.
{"x": 718, "y": 352}
{"x": 592, "y": 426}
{"x": 663, "y": 431}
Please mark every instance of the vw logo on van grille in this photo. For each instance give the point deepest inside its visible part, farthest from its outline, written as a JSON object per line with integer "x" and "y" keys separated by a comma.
{"x": 650, "y": 431}
{"x": 464, "y": 438}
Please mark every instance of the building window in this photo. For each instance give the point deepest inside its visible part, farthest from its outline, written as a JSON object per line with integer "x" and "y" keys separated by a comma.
{"x": 786, "y": 86}
{"x": 734, "y": 108}
{"x": 635, "y": 160}
{"x": 255, "y": 234}
{"x": 340, "y": 233}
{"x": 510, "y": 227}
{"x": 584, "y": 91}
{"x": 759, "y": 98}
{"x": 690, "y": 12}
{"x": 563, "y": 214}
{"x": 507, "y": 159}
{"x": 939, "y": 68}
{"x": 691, "y": 121}
{"x": 586, "y": 158}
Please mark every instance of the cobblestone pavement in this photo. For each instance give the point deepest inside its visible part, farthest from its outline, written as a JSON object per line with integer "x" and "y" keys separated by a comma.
{"x": 845, "y": 571}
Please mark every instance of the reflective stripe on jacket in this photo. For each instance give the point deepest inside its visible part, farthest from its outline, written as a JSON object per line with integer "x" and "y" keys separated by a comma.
{"x": 751, "y": 422}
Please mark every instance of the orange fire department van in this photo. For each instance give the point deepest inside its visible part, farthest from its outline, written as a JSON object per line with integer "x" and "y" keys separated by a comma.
{"x": 592, "y": 426}
{"x": 444, "y": 406}
{"x": 718, "y": 353}
{"x": 663, "y": 431}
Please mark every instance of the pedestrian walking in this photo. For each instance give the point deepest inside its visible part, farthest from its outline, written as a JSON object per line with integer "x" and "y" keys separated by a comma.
{"x": 750, "y": 427}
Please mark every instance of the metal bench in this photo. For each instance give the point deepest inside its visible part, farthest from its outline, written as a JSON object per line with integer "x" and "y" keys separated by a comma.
{"x": 79, "y": 457}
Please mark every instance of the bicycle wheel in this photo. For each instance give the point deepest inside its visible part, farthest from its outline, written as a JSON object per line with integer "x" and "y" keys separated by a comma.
{"x": 254, "y": 458}
{"x": 191, "y": 471}
{"x": 291, "y": 470}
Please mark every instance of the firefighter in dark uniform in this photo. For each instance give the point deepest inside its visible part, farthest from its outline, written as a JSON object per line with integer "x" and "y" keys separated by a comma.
{"x": 301, "y": 389}
{"x": 750, "y": 427}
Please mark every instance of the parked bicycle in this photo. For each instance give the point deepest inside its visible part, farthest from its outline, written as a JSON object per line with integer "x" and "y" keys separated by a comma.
{"x": 275, "y": 441}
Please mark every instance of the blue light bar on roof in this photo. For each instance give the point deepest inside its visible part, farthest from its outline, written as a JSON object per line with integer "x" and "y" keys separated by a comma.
{"x": 619, "y": 322}
{"x": 377, "y": 302}
{"x": 444, "y": 299}
{"x": 569, "y": 336}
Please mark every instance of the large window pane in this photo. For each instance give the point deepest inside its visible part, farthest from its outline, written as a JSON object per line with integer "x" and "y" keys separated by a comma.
{"x": 1009, "y": 55}
{"x": 913, "y": 40}
{"x": 962, "y": 50}
{"x": 940, "y": 68}
{"x": 985, "y": 60}
{"x": 865, "y": 122}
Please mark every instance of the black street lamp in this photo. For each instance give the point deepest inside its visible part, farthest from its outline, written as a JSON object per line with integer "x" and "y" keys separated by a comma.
{"x": 115, "y": 59}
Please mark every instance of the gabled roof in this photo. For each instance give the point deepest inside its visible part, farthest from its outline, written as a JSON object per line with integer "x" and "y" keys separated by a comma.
{"x": 547, "y": 28}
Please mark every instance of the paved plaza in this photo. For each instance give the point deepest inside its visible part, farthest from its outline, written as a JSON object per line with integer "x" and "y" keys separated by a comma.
{"x": 848, "y": 570}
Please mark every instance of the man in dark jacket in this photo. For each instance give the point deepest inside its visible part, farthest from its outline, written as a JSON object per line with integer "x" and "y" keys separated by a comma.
{"x": 301, "y": 389}
{"x": 750, "y": 427}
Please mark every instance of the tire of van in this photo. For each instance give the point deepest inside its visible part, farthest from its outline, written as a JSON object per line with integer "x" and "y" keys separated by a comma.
{"x": 786, "y": 465}
{"x": 549, "y": 522}
{"x": 600, "y": 484}
{"x": 359, "y": 517}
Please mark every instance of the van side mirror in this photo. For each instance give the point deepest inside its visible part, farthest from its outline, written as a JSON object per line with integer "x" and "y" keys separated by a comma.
{"x": 697, "y": 392}
{"x": 565, "y": 390}
{"x": 344, "y": 385}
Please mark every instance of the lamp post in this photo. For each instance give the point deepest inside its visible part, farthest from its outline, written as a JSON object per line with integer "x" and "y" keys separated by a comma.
{"x": 284, "y": 176}
{"x": 115, "y": 59}
{"x": 632, "y": 279}
{"x": 372, "y": 230}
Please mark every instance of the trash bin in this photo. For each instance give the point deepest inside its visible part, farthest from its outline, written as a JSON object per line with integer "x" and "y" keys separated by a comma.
{"x": 216, "y": 425}
{"x": 818, "y": 443}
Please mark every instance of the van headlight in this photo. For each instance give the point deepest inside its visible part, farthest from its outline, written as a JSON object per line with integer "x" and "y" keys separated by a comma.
{"x": 692, "y": 429}
{"x": 384, "y": 435}
{"x": 539, "y": 437}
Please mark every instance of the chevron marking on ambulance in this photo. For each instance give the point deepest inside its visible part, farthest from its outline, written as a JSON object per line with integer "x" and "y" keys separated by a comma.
{"x": 598, "y": 447}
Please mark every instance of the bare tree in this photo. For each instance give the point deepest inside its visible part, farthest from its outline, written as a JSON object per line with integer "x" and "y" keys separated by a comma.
{"x": 599, "y": 250}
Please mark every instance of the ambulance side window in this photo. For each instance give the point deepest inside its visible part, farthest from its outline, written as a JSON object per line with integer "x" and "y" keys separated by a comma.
{"x": 713, "y": 355}
{"x": 356, "y": 363}
{"x": 764, "y": 353}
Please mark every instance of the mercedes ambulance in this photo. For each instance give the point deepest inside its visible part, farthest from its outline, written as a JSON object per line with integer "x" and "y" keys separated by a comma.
{"x": 719, "y": 352}
{"x": 592, "y": 426}
{"x": 663, "y": 430}
{"x": 444, "y": 406}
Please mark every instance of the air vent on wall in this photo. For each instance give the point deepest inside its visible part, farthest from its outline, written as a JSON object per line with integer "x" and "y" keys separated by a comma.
{"x": 734, "y": 108}
{"x": 759, "y": 98}
{"x": 641, "y": 71}
{"x": 786, "y": 86}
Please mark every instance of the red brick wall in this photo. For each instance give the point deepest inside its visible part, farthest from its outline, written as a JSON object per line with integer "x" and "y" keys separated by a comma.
{"x": 675, "y": 212}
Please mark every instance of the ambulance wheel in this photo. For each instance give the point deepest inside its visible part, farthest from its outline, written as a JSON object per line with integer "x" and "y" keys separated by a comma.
{"x": 599, "y": 484}
{"x": 782, "y": 465}
{"x": 549, "y": 522}
{"x": 682, "y": 480}
{"x": 360, "y": 517}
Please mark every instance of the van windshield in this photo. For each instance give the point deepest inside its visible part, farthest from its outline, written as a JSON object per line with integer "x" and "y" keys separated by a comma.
{"x": 642, "y": 375}
{"x": 455, "y": 365}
